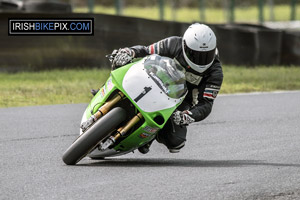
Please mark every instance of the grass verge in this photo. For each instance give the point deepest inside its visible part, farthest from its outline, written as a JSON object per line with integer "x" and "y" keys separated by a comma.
{"x": 260, "y": 79}
{"x": 73, "y": 86}
{"x": 49, "y": 87}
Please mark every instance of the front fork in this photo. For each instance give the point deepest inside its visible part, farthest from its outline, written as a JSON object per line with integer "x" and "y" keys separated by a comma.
{"x": 120, "y": 132}
{"x": 102, "y": 111}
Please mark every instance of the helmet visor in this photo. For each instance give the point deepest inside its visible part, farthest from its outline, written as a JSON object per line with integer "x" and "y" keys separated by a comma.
{"x": 199, "y": 57}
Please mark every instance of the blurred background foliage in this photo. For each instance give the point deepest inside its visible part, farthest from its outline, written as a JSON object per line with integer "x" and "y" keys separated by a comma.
{"x": 210, "y": 11}
{"x": 180, "y": 3}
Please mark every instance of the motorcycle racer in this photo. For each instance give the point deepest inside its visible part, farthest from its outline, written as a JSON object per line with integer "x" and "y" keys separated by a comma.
{"x": 197, "y": 52}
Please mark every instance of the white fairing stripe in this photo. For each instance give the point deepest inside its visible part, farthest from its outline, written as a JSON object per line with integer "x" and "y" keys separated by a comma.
{"x": 134, "y": 83}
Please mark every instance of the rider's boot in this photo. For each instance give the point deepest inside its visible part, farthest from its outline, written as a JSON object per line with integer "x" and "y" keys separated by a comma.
{"x": 94, "y": 92}
{"x": 177, "y": 148}
{"x": 161, "y": 138}
{"x": 146, "y": 148}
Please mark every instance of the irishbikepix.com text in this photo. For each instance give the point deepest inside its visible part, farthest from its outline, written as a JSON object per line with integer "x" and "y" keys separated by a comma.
{"x": 51, "y": 26}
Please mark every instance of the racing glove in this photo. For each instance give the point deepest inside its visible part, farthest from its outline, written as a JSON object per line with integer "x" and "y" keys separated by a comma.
{"x": 182, "y": 117}
{"x": 123, "y": 57}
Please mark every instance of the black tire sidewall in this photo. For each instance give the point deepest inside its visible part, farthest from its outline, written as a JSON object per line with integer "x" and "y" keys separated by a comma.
{"x": 89, "y": 139}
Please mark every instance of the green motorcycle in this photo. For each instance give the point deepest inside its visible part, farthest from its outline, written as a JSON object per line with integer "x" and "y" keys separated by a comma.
{"x": 132, "y": 106}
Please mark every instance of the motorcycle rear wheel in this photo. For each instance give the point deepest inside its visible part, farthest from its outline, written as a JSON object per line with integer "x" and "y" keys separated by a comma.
{"x": 89, "y": 139}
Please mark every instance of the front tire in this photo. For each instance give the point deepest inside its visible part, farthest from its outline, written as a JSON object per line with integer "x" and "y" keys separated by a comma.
{"x": 89, "y": 139}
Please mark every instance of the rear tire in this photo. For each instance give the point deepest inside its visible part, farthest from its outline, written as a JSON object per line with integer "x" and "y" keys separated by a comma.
{"x": 89, "y": 139}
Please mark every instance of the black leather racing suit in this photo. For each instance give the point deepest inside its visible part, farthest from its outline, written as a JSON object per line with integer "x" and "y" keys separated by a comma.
{"x": 202, "y": 87}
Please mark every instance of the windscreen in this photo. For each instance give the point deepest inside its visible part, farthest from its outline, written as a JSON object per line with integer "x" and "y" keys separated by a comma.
{"x": 167, "y": 74}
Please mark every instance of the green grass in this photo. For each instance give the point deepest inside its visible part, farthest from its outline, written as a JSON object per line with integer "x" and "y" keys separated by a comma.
{"x": 73, "y": 86}
{"x": 49, "y": 87}
{"x": 259, "y": 79}
{"x": 213, "y": 15}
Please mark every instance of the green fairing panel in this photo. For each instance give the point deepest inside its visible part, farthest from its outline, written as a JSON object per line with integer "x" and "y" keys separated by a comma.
{"x": 147, "y": 131}
{"x": 114, "y": 81}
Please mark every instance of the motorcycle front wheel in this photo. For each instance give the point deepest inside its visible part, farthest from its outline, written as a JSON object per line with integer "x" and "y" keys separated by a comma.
{"x": 87, "y": 141}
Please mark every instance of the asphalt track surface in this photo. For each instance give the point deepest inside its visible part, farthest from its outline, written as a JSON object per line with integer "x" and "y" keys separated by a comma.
{"x": 248, "y": 148}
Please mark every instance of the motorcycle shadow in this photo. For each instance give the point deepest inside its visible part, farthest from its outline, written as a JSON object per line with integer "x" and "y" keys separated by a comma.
{"x": 168, "y": 162}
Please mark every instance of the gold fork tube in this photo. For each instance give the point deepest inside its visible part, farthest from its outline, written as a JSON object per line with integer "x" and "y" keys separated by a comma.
{"x": 123, "y": 130}
{"x": 108, "y": 105}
